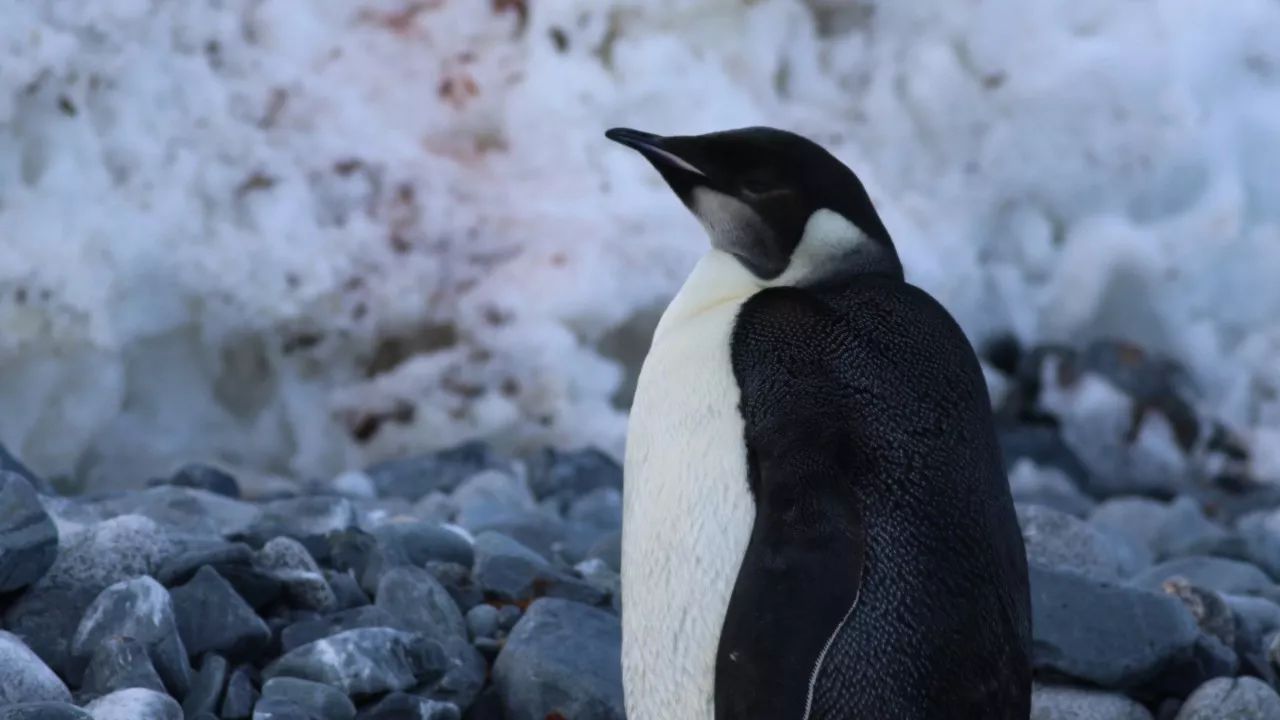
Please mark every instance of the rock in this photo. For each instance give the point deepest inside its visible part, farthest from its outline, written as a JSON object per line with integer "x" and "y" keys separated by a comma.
{"x": 241, "y": 694}
{"x": 141, "y": 609}
{"x": 320, "y": 700}
{"x": 563, "y": 657}
{"x": 305, "y": 519}
{"x": 365, "y": 661}
{"x": 399, "y": 706}
{"x": 279, "y": 709}
{"x": 1058, "y": 540}
{"x": 206, "y": 686}
{"x": 208, "y": 478}
{"x": 540, "y": 531}
{"x": 1044, "y": 446}
{"x": 1225, "y": 576}
{"x": 26, "y": 679}
{"x": 458, "y": 581}
{"x": 46, "y": 615}
{"x": 181, "y": 567}
{"x": 567, "y": 475}
{"x": 1114, "y": 636}
{"x": 258, "y": 587}
{"x": 183, "y": 510}
{"x": 1164, "y": 530}
{"x": 489, "y": 497}
{"x": 28, "y": 537}
{"x": 135, "y": 704}
{"x": 420, "y": 604}
{"x": 482, "y": 621}
{"x": 608, "y": 549}
{"x": 43, "y": 711}
{"x": 288, "y": 561}
{"x": 412, "y": 478}
{"x": 424, "y": 542}
{"x": 119, "y": 663}
{"x": 9, "y": 463}
{"x": 354, "y": 484}
{"x": 1047, "y": 486}
{"x": 347, "y": 592}
{"x": 1209, "y": 609}
{"x": 602, "y": 577}
{"x": 1260, "y": 535}
{"x": 590, "y": 519}
{"x": 212, "y": 617}
{"x": 306, "y": 631}
{"x": 1245, "y": 698}
{"x": 506, "y": 569}
{"x": 1050, "y": 702}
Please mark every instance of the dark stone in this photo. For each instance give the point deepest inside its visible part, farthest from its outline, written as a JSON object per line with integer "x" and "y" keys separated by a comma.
{"x": 24, "y": 678}
{"x": 1049, "y": 487}
{"x": 399, "y": 706}
{"x": 1225, "y": 698}
{"x": 482, "y": 621}
{"x": 308, "y": 520}
{"x": 258, "y": 588}
{"x": 1071, "y": 703}
{"x": 563, "y": 657}
{"x": 28, "y": 537}
{"x": 424, "y": 542}
{"x": 347, "y": 592}
{"x": 241, "y": 694}
{"x": 139, "y": 608}
{"x": 119, "y": 663}
{"x": 1260, "y": 534}
{"x": 537, "y": 530}
{"x": 458, "y": 581}
{"x": 180, "y": 568}
{"x": 1058, "y": 540}
{"x": 207, "y": 477}
{"x": 135, "y": 704}
{"x": 413, "y": 477}
{"x": 43, "y": 711}
{"x": 189, "y": 511}
{"x": 567, "y": 475}
{"x": 281, "y": 709}
{"x": 212, "y": 617}
{"x": 1044, "y": 446}
{"x": 508, "y": 616}
{"x": 320, "y": 700}
{"x": 10, "y": 463}
{"x": 306, "y": 631}
{"x": 1111, "y": 635}
{"x": 206, "y": 686}
{"x": 288, "y": 561}
{"x": 365, "y": 661}
{"x": 361, "y": 554}
{"x": 1163, "y": 530}
{"x": 488, "y": 706}
{"x": 1225, "y": 576}
{"x": 507, "y": 571}
{"x": 490, "y": 497}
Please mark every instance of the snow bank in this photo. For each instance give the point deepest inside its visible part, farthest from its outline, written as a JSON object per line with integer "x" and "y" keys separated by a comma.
{"x": 296, "y": 236}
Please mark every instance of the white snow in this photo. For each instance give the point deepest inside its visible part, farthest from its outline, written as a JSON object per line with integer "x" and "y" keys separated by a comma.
{"x": 250, "y": 230}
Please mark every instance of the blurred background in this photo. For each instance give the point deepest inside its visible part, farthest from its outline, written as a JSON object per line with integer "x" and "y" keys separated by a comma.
{"x": 294, "y": 237}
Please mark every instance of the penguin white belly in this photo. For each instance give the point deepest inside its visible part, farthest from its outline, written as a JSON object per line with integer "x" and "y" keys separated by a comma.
{"x": 687, "y": 509}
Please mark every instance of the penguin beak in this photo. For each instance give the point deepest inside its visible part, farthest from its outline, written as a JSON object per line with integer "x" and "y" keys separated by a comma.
{"x": 670, "y": 156}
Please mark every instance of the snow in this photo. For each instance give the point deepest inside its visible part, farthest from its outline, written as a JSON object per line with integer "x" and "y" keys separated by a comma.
{"x": 298, "y": 237}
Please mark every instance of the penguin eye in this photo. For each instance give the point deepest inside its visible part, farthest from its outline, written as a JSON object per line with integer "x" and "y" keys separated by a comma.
{"x": 758, "y": 183}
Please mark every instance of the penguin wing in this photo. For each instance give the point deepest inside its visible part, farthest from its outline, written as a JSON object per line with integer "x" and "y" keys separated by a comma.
{"x": 799, "y": 581}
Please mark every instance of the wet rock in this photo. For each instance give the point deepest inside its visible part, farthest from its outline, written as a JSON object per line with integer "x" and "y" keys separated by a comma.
{"x": 140, "y": 609}
{"x": 355, "y": 485}
{"x": 28, "y": 537}
{"x": 424, "y": 542}
{"x": 181, "y": 567}
{"x": 489, "y": 497}
{"x": 1044, "y": 446}
{"x": 366, "y": 661}
{"x": 1163, "y": 530}
{"x": 10, "y": 463}
{"x": 399, "y": 706}
{"x": 458, "y": 581}
{"x": 482, "y": 621}
{"x": 567, "y": 475}
{"x": 609, "y": 549}
{"x": 208, "y": 478}
{"x": 1225, "y": 576}
{"x": 1242, "y": 698}
{"x": 206, "y": 686}
{"x": 286, "y": 560}
{"x": 43, "y": 711}
{"x": 26, "y": 679}
{"x": 1114, "y": 636}
{"x": 212, "y": 617}
{"x": 280, "y": 709}
{"x": 119, "y": 663}
{"x": 414, "y": 477}
{"x": 1050, "y": 702}
{"x": 306, "y": 631}
{"x": 563, "y": 657}
{"x": 183, "y": 510}
{"x": 135, "y": 704}
{"x": 259, "y": 588}
{"x": 540, "y": 531}
{"x": 320, "y": 700}
{"x": 347, "y": 592}
{"x": 1259, "y": 534}
{"x": 241, "y": 694}
{"x": 1058, "y": 540}
{"x": 305, "y": 519}
{"x": 1047, "y": 486}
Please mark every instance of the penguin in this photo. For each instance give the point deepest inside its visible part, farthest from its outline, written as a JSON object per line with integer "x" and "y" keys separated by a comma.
{"x": 817, "y": 524}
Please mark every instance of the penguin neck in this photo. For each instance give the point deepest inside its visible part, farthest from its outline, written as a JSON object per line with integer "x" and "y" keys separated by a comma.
{"x": 718, "y": 279}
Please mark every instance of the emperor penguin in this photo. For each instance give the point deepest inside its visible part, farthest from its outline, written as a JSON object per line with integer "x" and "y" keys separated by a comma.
{"x": 817, "y": 524}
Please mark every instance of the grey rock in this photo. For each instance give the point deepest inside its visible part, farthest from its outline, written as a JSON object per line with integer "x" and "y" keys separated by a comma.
{"x": 1049, "y": 702}
{"x": 258, "y": 587}
{"x": 119, "y": 663}
{"x": 305, "y": 519}
{"x": 602, "y": 577}
{"x": 563, "y": 657}
{"x": 566, "y": 475}
{"x": 306, "y": 631}
{"x": 1244, "y": 698}
{"x": 1032, "y": 484}
{"x": 1221, "y": 574}
{"x": 185, "y": 510}
{"x": 424, "y": 542}
{"x": 1259, "y": 534}
{"x": 1165, "y": 530}
{"x": 1113, "y": 636}
{"x": 26, "y": 679}
{"x": 414, "y": 477}
{"x": 365, "y": 661}
{"x": 1058, "y": 540}
{"x": 1209, "y": 608}
{"x": 28, "y": 537}
{"x": 590, "y": 519}
{"x": 207, "y": 477}
{"x": 508, "y": 571}
{"x": 281, "y": 709}
{"x": 364, "y": 556}
{"x": 1044, "y": 446}
{"x": 435, "y": 506}
{"x": 347, "y": 592}
{"x": 141, "y": 609}
{"x": 212, "y": 617}
{"x": 508, "y": 616}
{"x": 1255, "y": 616}
{"x": 489, "y": 497}
{"x": 318, "y": 699}
{"x": 181, "y": 567}
{"x": 399, "y": 706}
{"x": 540, "y": 531}
{"x": 609, "y": 549}
{"x": 43, "y": 711}
{"x": 135, "y": 704}
{"x": 9, "y": 463}
{"x": 482, "y": 621}
{"x": 241, "y": 694}
{"x": 46, "y": 615}
{"x": 355, "y": 485}
{"x": 206, "y": 686}
{"x": 458, "y": 581}
{"x": 288, "y": 561}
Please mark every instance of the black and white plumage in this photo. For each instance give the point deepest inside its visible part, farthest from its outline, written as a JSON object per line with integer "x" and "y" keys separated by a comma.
{"x": 817, "y": 523}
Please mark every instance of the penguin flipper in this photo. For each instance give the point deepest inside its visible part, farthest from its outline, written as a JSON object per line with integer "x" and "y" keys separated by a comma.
{"x": 801, "y": 575}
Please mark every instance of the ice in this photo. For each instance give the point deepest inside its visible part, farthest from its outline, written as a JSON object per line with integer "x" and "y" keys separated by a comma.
{"x": 296, "y": 237}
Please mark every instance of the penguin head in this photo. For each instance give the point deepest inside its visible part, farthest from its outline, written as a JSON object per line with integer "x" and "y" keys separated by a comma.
{"x": 784, "y": 207}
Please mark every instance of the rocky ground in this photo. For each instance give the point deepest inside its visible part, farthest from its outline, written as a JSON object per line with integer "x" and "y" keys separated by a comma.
{"x": 465, "y": 584}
